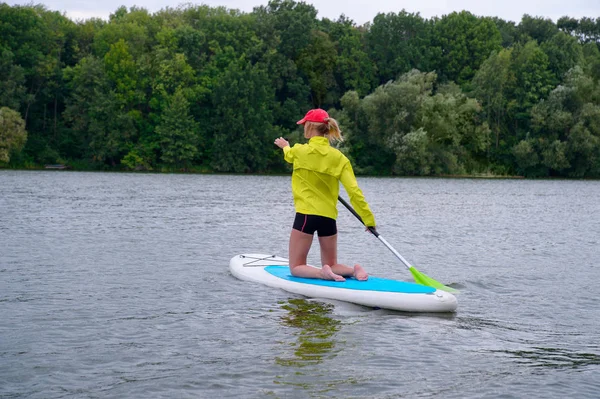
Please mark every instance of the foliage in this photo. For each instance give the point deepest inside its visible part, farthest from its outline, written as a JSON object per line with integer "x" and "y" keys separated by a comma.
{"x": 428, "y": 132}
{"x": 536, "y": 28}
{"x": 564, "y": 53}
{"x": 241, "y": 128}
{"x": 354, "y": 69}
{"x": 465, "y": 42}
{"x": 12, "y": 80}
{"x": 566, "y": 128}
{"x": 533, "y": 81}
{"x": 401, "y": 42}
{"x": 12, "y": 133}
{"x": 208, "y": 88}
{"x": 317, "y": 62}
{"x": 177, "y": 132}
{"x": 491, "y": 85}
{"x": 134, "y": 161}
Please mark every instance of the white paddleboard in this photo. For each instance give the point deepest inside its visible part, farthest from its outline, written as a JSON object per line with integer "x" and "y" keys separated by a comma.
{"x": 376, "y": 292}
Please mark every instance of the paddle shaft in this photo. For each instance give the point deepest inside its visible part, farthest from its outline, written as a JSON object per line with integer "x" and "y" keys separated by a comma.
{"x": 375, "y": 233}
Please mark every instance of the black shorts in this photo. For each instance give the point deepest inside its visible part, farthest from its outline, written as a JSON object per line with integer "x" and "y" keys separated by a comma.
{"x": 324, "y": 226}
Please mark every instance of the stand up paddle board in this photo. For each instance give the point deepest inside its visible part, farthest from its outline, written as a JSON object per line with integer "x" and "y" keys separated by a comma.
{"x": 376, "y": 292}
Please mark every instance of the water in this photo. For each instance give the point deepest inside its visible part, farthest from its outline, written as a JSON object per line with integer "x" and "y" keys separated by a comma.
{"x": 117, "y": 285}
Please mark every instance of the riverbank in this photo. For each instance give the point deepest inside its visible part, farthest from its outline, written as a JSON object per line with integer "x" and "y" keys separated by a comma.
{"x": 205, "y": 170}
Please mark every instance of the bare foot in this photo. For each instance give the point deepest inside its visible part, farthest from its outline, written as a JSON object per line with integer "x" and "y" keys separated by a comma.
{"x": 328, "y": 274}
{"x": 360, "y": 273}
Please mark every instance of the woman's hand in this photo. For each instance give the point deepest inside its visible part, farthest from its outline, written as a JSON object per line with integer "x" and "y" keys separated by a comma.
{"x": 281, "y": 142}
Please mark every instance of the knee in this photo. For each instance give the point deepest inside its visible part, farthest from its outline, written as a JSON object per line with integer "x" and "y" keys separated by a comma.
{"x": 293, "y": 271}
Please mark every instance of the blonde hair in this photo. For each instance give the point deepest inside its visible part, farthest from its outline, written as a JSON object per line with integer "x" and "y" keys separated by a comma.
{"x": 329, "y": 129}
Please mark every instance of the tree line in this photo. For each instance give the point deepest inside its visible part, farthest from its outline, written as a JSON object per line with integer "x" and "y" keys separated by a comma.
{"x": 201, "y": 88}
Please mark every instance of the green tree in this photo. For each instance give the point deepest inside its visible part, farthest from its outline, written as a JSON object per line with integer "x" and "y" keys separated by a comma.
{"x": 121, "y": 70}
{"x": 369, "y": 152}
{"x": 170, "y": 72}
{"x": 457, "y": 135}
{"x": 401, "y": 42}
{"x": 318, "y": 63}
{"x": 40, "y": 42}
{"x": 536, "y": 28}
{"x": 206, "y": 32}
{"x": 381, "y": 118}
{"x": 466, "y": 42}
{"x": 588, "y": 30}
{"x": 135, "y": 28}
{"x": 568, "y": 25}
{"x": 354, "y": 70}
{"x": 289, "y": 25}
{"x": 583, "y": 145}
{"x": 490, "y": 86}
{"x": 178, "y": 132}
{"x": 426, "y": 132}
{"x": 564, "y": 52}
{"x": 566, "y": 128}
{"x": 526, "y": 157}
{"x": 12, "y": 82}
{"x": 23, "y": 32}
{"x": 13, "y": 135}
{"x": 554, "y": 156}
{"x": 508, "y": 31}
{"x": 285, "y": 28}
{"x": 84, "y": 35}
{"x": 101, "y": 127}
{"x": 242, "y": 121}
{"x": 533, "y": 81}
{"x": 591, "y": 55}
{"x": 185, "y": 39}
{"x": 453, "y": 119}
{"x": 413, "y": 153}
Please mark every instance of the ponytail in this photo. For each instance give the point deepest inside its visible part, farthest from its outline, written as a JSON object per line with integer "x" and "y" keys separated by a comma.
{"x": 329, "y": 129}
{"x": 334, "y": 130}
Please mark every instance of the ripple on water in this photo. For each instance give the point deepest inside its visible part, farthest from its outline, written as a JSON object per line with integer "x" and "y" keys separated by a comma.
{"x": 116, "y": 285}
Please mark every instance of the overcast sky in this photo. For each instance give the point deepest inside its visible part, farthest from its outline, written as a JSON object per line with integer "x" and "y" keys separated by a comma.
{"x": 360, "y": 11}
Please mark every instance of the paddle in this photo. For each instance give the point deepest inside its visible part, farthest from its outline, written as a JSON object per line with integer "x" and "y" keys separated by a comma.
{"x": 419, "y": 277}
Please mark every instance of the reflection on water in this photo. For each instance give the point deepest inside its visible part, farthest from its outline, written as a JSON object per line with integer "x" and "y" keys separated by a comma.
{"x": 314, "y": 331}
{"x": 554, "y": 358}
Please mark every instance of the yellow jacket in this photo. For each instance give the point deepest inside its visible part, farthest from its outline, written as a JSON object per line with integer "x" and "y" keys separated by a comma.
{"x": 318, "y": 169}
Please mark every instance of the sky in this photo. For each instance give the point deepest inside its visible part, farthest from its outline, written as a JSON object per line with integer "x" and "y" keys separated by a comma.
{"x": 360, "y": 11}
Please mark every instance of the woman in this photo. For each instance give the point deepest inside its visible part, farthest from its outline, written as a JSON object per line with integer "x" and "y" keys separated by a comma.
{"x": 318, "y": 169}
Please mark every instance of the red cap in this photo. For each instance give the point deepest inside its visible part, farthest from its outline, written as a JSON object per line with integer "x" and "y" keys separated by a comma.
{"x": 314, "y": 115}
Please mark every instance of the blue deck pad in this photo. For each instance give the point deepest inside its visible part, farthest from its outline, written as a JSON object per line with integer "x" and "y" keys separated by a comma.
{"x": 372, "y": 284}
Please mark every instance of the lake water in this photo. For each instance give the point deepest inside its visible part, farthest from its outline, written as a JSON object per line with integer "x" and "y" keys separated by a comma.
{"x": 117, "y": 286}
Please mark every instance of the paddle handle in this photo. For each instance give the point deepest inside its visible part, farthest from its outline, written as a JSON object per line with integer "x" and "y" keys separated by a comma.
{"x": 347, "y": 205}
{"x": 375, "y": 233}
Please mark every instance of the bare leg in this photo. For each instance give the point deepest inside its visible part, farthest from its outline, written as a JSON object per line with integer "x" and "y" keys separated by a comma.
{"x": 299, "y": 246}
{"x": 329, "y": 257}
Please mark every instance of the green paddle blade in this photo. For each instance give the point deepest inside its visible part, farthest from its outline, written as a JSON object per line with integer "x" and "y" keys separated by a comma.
{"x": 423, "y": 279}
